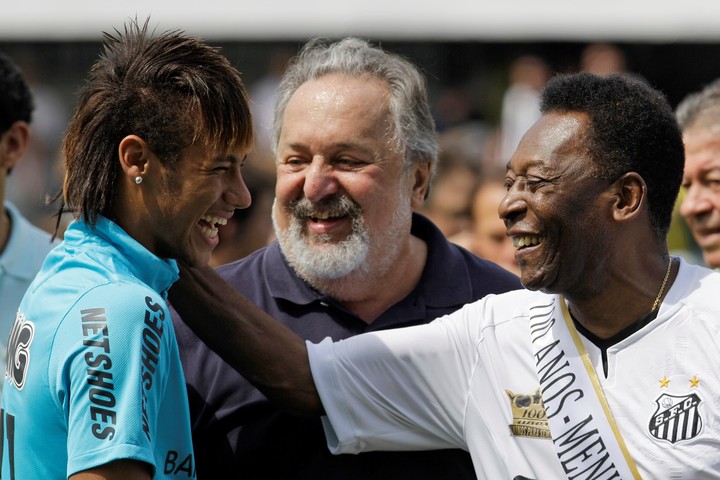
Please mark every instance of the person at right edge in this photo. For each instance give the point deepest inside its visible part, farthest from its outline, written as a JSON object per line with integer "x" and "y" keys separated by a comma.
{"x": 606, "y": 366}
{"x": 355, "y": 150}
{"x": 699, "y": 118}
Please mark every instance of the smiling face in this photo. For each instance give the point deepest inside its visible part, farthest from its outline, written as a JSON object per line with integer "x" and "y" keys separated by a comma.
{"x": 553, "y": 210}
{"x": 184, "y": 203}
{"x": 343, "y": 200}
{"x": 701, "y": 181}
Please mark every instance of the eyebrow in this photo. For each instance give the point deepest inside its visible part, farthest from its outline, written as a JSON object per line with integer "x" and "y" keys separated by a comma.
{"x": 335, "y": 146}
{"x": 231, "y": 158}
{"x": 530, "y": 164}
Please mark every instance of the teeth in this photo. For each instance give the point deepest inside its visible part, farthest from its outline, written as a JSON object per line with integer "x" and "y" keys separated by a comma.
{"x": 209, "y": 232}
{"x": 215, "y": 220}
{"x": 526, "y": 241}
{"x": 321, "y": 215}
{"x": 212, "y": 230}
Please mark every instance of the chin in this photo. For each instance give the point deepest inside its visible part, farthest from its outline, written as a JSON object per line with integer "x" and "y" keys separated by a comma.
{"x": 535, "y": 281}
{"x": 713, "y": 262}
{"x": 527, "y": 282}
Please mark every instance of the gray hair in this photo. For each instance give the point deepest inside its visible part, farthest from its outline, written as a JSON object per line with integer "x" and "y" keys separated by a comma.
{"x": 704, "y": 104}
{"x": 414, "y": 128}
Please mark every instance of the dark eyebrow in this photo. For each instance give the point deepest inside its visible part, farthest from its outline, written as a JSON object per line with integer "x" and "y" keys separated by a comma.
{"x": 231, "y": 158}
{"x": 534, "y": 163}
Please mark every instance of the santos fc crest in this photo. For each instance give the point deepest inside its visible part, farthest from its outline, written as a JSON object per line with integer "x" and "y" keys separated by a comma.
{"x": 676, "y": 418}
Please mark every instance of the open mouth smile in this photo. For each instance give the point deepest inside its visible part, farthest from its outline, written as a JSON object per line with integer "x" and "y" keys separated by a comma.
{"x": 525, "y": 241}
{"x": 315, "y": 216}
{"x": 209, "y": 225}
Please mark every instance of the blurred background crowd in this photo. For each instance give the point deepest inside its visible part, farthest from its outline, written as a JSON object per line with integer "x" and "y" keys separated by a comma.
{"x": 484, "y": 97}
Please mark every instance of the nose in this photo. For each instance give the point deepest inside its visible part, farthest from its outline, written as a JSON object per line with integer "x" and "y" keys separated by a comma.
{"x": 697, "y": 200}
{"x": 512, "y": 205}
{"x": 236, "y": 193}
{"x": 320, "y": 180}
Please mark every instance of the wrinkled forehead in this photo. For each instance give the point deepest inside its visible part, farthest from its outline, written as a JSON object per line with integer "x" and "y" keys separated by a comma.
{"x": 702, "y": 150}
{"x": 556, "y": 140}
{"x": 708, "y": 121}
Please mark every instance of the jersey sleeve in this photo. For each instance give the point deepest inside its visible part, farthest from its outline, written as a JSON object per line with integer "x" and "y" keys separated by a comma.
{"x": 108, "y": 371}
{"x": 401, "y": 389}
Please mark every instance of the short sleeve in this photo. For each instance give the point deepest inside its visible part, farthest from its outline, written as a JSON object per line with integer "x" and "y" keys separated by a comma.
{"x": 108, "y": 373}
{"x": 401, "y": 389}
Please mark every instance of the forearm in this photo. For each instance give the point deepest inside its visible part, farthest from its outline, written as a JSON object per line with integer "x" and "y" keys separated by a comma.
{"x": 264, "y": 351}
{"x": 117, "y": 470}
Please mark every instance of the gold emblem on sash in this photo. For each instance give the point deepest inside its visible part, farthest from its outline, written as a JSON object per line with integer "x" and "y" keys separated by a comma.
{"x": 529, "y": 417}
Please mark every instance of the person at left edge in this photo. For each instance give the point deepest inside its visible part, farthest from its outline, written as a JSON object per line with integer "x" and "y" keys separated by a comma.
{"x": 23, "y": 246}
{"x": 94, "y": 388}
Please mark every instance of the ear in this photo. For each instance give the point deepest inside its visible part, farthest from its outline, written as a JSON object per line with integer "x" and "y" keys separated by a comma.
{"x": 134, "y": 155}
{"x": 421, "y": 178}
{"x": 630, "y": 196}
{"x": 13, "y": 144}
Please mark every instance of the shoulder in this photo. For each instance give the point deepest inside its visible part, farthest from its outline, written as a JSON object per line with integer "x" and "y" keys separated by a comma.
{"x": 697, "y": 287}
{"x": 124, "y": 295}
{"x": 507, "y": 305}
{"x": 485, "y": 276}
{"x": 111, "y": 314}
{"x": 454, "y": 263}
{"x": 253, "y": 264}
{"x": 27, "y": 241}
{"x": 496, "y": 316}
{"x": 123, "y": 305}
{"x": 480, "y": 265}
{"x": 264, "y": 275}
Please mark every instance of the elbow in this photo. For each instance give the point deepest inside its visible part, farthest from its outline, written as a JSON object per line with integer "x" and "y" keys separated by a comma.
{"x": 298, "y": 396}
{"x": 306, "y": 405}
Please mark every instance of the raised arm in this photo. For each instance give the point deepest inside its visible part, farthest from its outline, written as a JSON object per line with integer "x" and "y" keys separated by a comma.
{"x": 264, "y": 351}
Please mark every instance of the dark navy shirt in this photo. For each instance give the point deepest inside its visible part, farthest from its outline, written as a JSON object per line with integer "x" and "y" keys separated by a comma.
{"x": 237, "y": 432}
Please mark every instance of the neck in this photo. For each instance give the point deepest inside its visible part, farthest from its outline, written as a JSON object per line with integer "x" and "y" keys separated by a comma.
{"x": 625, "y": 297}
{"x": 370, "y": 295}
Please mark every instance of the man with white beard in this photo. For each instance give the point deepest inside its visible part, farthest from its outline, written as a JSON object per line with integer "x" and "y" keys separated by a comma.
{"x": 355, "y": 148}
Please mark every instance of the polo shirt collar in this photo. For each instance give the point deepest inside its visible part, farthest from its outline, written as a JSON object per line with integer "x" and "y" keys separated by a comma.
{"x": 281, "y": 280}
{"x": 157, "y": 273}
{"x": 446, "y": 278}
{"x": 443, "y": 261}
{"x": 14, "y": 258}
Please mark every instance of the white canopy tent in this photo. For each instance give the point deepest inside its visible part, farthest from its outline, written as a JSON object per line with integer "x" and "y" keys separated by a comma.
{"x": 437, "y": 20}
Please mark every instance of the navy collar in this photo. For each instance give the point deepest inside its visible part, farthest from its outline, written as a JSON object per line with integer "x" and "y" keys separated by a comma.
{"x": 443, "y": 260}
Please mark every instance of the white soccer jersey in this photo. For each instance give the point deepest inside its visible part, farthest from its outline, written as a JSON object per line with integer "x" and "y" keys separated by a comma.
{"x": 468, "y": 380}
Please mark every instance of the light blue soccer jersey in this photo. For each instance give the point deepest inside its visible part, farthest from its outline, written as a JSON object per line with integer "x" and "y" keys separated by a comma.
{"x": 93, "y": 371}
